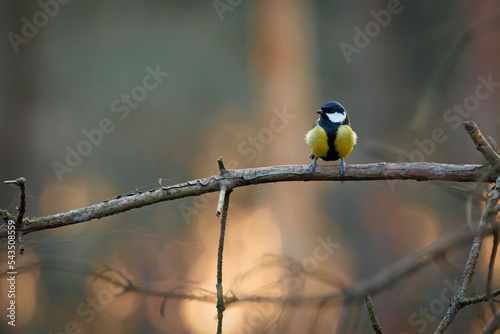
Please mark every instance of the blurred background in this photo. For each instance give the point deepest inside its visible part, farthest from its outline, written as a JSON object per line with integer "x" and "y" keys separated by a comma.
{"x": 101, "y": 98}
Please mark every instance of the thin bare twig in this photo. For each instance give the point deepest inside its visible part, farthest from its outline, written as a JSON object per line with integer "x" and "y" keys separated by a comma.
{"x": 482, "y": 145}
{"x": 220, "y": 295}
{"x": 480, "y": 298}
{"x": 371, "y": 312}
{"x": 222, "y": 169}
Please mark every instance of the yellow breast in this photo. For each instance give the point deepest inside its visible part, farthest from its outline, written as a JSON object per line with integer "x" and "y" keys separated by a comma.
{"x": 317, "y": 141}
{"x": 345, "y": 141}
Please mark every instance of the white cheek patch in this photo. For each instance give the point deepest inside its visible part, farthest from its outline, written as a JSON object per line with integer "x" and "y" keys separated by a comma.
{"x": 337, "y": 117}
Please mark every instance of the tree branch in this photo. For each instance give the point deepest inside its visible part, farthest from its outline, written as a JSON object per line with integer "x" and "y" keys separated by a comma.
{"x": 480, "y": 298}
{"x": 422, "y": 171}
{"x": 225, "y": 192}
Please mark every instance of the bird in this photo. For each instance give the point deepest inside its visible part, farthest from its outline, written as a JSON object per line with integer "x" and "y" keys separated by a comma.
{"x": 331, "y": 137}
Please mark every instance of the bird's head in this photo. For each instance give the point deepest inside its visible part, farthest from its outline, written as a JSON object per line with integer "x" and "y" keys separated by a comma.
{"x": 334, "y": 111}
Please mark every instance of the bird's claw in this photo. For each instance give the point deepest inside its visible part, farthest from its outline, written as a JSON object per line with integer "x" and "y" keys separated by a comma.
{"x": 311, "y": 167}
{"x": 342, "y": 167}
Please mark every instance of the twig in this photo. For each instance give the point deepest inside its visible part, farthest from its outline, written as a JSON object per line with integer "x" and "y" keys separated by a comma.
{"x": 480, "y": 298}
{"x": 482, "y": 145}
{"x": 252, "y": 176}
{"x": 371, "y": 312}
{"x": 220, "y": 294}
{"x": 222, "y": 169}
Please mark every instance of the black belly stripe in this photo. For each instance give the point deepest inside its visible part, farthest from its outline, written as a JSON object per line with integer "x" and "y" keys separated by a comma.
{"x": 331, "y": 132}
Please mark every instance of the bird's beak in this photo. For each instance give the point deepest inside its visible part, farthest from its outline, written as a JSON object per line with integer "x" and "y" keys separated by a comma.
{"x": 321, "y": 112}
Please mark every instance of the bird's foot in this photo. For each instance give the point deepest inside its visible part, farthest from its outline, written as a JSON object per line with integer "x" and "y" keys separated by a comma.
{"x": 342, "y": 166}
{"x": 311, "y": 167}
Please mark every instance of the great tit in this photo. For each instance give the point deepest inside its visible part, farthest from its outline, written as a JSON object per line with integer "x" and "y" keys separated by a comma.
{"x": 331, "y": 137}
